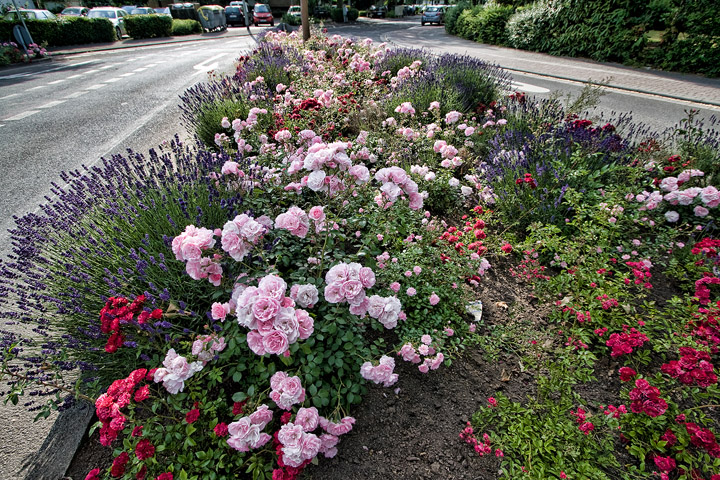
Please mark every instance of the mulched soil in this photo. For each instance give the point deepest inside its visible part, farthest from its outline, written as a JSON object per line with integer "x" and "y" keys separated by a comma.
{"x": 414, "y": 433}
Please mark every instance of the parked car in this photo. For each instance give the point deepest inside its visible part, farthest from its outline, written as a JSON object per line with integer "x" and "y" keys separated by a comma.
{"x": 163, "y": 11}
{"x": 115, "y": 15}
{"x": 142, "y": 11}
{"x": 377, "y": 11}
{"x": 30, "y": 14}
{"x": 294, "y": 11}
{"x": 433, "y": 14}
{"x": 262, "y": 14}
{"x": 234, "y": 15}
{"x": 75, "y": 12}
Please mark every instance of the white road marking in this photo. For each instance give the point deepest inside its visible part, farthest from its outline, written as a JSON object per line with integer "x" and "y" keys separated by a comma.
{"x": 127, "y": 74}
{"x": 528, "y": 88}
{"x": 2, "y": 125}
{"x": 91, "y": 71}
{"x": 107, "y": 66}
{"x": 36, "y": 88}
{"x": 52, "y": 104}
{"x": 8, "y": 96}
{"x": 76, "y": 76}
{"x": 206, "y": 65}
{"x": 20, "y": 116}
{"x": 151, "y": 65}
{"x": 113, "y": 80}
{"x": 97, "y": 87}
{"x": 141, "y": 69}
{"x": 57, "y": 81}
{"x": 76, "y": 94}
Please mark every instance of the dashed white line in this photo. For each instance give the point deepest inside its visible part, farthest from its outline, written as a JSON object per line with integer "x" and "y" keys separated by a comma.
{"x": 52, "y": 104}
{"x": 8, "y": 96}
{"x": 106, "y": 67}
{"x": 36, "y": 88}
{"x": 151, "y": 65}
{"x": 141, "y": 69}
{"x": 97, "y": 86}
{"x": 113, "y": 80}
{"x": 57, "y": 81}
{"x": 76, "y": 94}
{"x": 76, "y": 76}
{"x": 127, "y": 74}
{"x": 20, "y": 116}
{"x": 2, "y": 125}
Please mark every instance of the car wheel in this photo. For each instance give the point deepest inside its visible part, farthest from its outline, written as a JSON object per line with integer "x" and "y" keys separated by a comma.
{"x": 118, "y": 32}
{"x": 422, "y": 23}
{"x": 256, "y": 24}
{"x": 272, "y": 24}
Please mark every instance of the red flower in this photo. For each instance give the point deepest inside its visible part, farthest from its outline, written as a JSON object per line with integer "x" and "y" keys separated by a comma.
{"x": 114, "y": 342}
{"x": 238, "y": 407}
{"x": 143, "y": 393}
{"x": 93, "y": 474}
{"x": 165, "y": 476}
{"x": 137, "y": 431}
{"x": 221, "y": 429}
{"x": 118, "y": 465}
{"x": 507, "y": 248}
{"x": 665, "y": 464}
{"x": 142, "y": 473}
{"x": 626, "y": 374}
{"x": 144, "y": 449}
{"x": 285, "y": 417}
{"x": 192, "y": 415}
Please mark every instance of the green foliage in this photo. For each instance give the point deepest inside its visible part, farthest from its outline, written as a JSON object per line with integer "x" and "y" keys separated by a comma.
{"x": 452, "y": 14}
{"x": 210, "y": 117}
{"x": 353, "y": 14}
{"x": 148, "y": 26}
{"x": 185, "y": 27}
{"x": 69, "y": 31}
{"x": 293, "y": 20}
{"x": 485, "y": 24}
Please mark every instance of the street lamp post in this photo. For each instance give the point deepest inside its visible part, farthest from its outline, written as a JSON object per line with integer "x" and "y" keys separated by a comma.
{"x": 305, "y": 19}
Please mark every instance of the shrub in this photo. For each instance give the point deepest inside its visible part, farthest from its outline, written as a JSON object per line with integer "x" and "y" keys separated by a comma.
{"x": 452, "y": 14}
{"x": 148, "y": 26}
{"x": 293, "y": 20}
{"x": 185, "y": 27}
{"x": 492, "y": 24}
{"x": 10, "y": 53}
{"x": 352, "y": 14}
{"x": 69, "y": 31}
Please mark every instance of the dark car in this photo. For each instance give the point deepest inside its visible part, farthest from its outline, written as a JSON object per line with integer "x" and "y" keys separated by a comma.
{"x": 433, "y": 14}
{"x": 234, "y": 16}
{"x": 262, "y": 14}
{"x": 377, "y": 11}
{"x": 321, "y": 11}
{"x": 75, "y": 12}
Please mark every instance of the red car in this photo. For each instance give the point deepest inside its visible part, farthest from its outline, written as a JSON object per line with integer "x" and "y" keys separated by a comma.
{"x": 262, "y": 14}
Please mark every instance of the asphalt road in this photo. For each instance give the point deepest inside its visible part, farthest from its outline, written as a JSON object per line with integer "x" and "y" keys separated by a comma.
{"x": 72, "y": 111}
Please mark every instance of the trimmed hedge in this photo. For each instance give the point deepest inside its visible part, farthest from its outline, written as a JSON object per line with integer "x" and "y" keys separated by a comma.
{"x": 185, "y": 27}
{"x": 148, "y": 26}
{"x": 337, "y": 14}
{"x": 68, "y": 31}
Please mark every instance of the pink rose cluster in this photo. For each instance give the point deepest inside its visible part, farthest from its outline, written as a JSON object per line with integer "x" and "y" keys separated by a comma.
{"x": 346, "y": 282}
{"x": 241, "y": 234}
{"x": 306, "y": 296}
{"x": 410, "y": 354}
{"x": 396, "y": 182}
{"x": 247, "y": 433}
{"x": 175, "y": 371}
{"x": 286, "y": 391}
{"x": 326, "y": 162}
{"x": 273, "y": 321}
{"x": 205, "y": 347}
{"x": 380, "y": 373}
{"x": 295, "y": 221}
{"x": 189, "y": 246}
{"x": 298, "y": 445}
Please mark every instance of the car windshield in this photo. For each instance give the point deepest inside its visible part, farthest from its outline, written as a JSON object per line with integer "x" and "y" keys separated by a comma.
{"x": 434, "y": 9}
{"x": 232, "y": 9}
{"x": 262, "y": 9}
{"x": 294, "y": 9}
{"x": 13, "y": 15}
{"x": 71, "y": 11}
{"x": 101, "y": 14}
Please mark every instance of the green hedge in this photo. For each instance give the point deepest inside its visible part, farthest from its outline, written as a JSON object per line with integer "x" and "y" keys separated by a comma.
{"x": 68, "y": 31}
{"x": 186, "y": 27}
{"x": 337, "y": 15}
{"x": 148, "y": 26}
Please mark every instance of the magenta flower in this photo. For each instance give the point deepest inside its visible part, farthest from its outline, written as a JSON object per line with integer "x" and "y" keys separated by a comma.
{"x": 434, "y": 299}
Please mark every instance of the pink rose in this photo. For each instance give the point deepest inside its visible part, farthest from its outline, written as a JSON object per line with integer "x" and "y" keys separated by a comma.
{"x": 219, "y": 311}
{"x": 367, "y": 277}
{"x": 308, "y": 418}
{"x": 434, "y": 299}
{"x": 261, "y": 417}
{"x": 316, "y": 214}
{"x": 275, "y": 342}
{"x": 305, "y": 324}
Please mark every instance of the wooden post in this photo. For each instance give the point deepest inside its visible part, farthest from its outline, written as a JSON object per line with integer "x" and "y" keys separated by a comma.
{"x": 305, "y": 18}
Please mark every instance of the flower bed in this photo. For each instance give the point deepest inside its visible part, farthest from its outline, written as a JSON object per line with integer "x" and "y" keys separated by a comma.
{"x": 227, "y": 303}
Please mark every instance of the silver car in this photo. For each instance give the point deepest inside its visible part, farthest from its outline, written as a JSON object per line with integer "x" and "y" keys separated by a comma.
{"x": 433, "y": 14}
